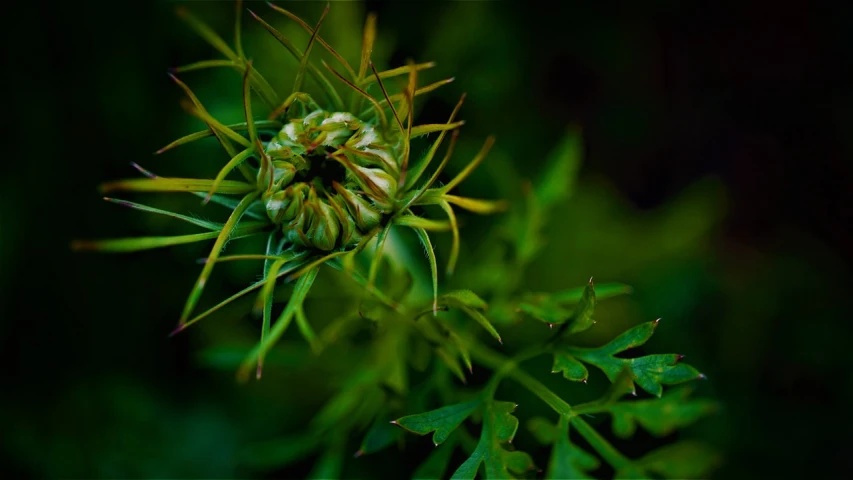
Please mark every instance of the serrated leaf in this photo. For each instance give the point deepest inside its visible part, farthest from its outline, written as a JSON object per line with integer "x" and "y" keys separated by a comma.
{"x": 569, "y": 460}
{"x": 463, "y": 298}
{"x": 572, "y": 369}
{"x": 650, "y": 372}
{"x": 442, "y": 421}
{"x": 499, "y": 427}
{"x": 660, "y": 417}
{"x": 686, "y": 459}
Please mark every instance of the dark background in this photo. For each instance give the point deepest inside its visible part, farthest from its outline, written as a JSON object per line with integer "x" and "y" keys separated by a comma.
{"x": 715, "y": 181}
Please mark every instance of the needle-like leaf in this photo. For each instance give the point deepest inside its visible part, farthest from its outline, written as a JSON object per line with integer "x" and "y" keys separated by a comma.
{"x": 379, "y": 111}
{"x": 315, "y": 72}
{"x": 322, "y": 42}
{"x": 135, "y": 244}
{"x": 487, "y": 145}
{"x": 146, "y": 208}
{"x": 404, "y": 70}
{"x": 454, "y": 228}
{"x": 303, "y": 62}
{"x": 421, "y": 222}
{"x": 227, "y": 229}
{"x": 273, "y": 125}
{"x": 161, "y": 184}
{"x": 300, "y": 291}
{"x": 418, "y": 169}
{"x": 220, "y": 177}
{"x": 433, "y": 266}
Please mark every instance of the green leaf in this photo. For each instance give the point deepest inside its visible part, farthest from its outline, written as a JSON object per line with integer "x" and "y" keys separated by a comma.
{"x": 136, "y": 244}
{"x": 557, "y": 181}
{"x": 582, "y": 316}
{"x": 547, "y": 312}
{"x": 161, "y": 184}
{"x": 572, "y": 369}
{"x": 685, "y": 459}
{"x": 499, "y": 427}
{"x": 379, "y": 437}
{"x": 542, "y": 429}
{"x": 554, "y": 185}
{"x": 404, "y": 70}
{"x": 300, "y": 292}
{"x": 550, "y": 308}
{"x": 650, "y": 372}
{"x": 421, "y": 130}
{"x": 331, "y": 463}
{"x": 451, "y": 362}
{"x": 436, "y": 463}
{"x": 569, "y": 460}
{"x": 602, "y": 291}
{"x": 483, "y": 321}
{"x": 463, "y": 298}
{"x": 315, "y": 72}
{"x": 433, "y": 265}
{"x": 424, "y": 223}
{"x": 227, "y": 229}
{"x": 146, "y": 208}
{"x": 273, "y": 125}
{"x": 442, "y": 421}
{"x": 660, "y": 417}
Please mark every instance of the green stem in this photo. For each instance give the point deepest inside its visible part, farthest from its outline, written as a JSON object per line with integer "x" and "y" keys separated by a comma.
{"x": 509, "y": 367}
{"x": 600, "y": 444}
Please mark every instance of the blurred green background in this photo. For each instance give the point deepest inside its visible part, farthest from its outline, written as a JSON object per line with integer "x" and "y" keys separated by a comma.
{"x": 715, "y": 181}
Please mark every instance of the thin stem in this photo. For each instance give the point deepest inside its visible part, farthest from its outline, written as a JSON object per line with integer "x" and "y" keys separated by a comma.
{"x": 600, "y": 444}
{"x": 509, "y": 367}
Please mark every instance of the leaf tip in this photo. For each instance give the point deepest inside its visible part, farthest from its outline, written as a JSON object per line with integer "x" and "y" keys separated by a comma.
{"x": 142, "y": 170}
{"x": 180, "y": 328}
{"x": 358, "y": 454}
{"x": 80, "y": 245}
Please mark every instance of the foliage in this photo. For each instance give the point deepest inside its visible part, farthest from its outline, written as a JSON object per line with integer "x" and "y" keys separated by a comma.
{"x": 336, "y": 183}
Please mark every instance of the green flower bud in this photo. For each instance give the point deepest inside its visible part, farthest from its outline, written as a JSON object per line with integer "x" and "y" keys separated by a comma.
{"x": 276, "y": 204}
{"x": 294, "y": 232}
{"x": 283, "y": 174}
{"x": 360, "y": 210}
{"x": 324, "y": 227}
{"x": 378, "y": 185}
{"x": 294, "y": 200}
